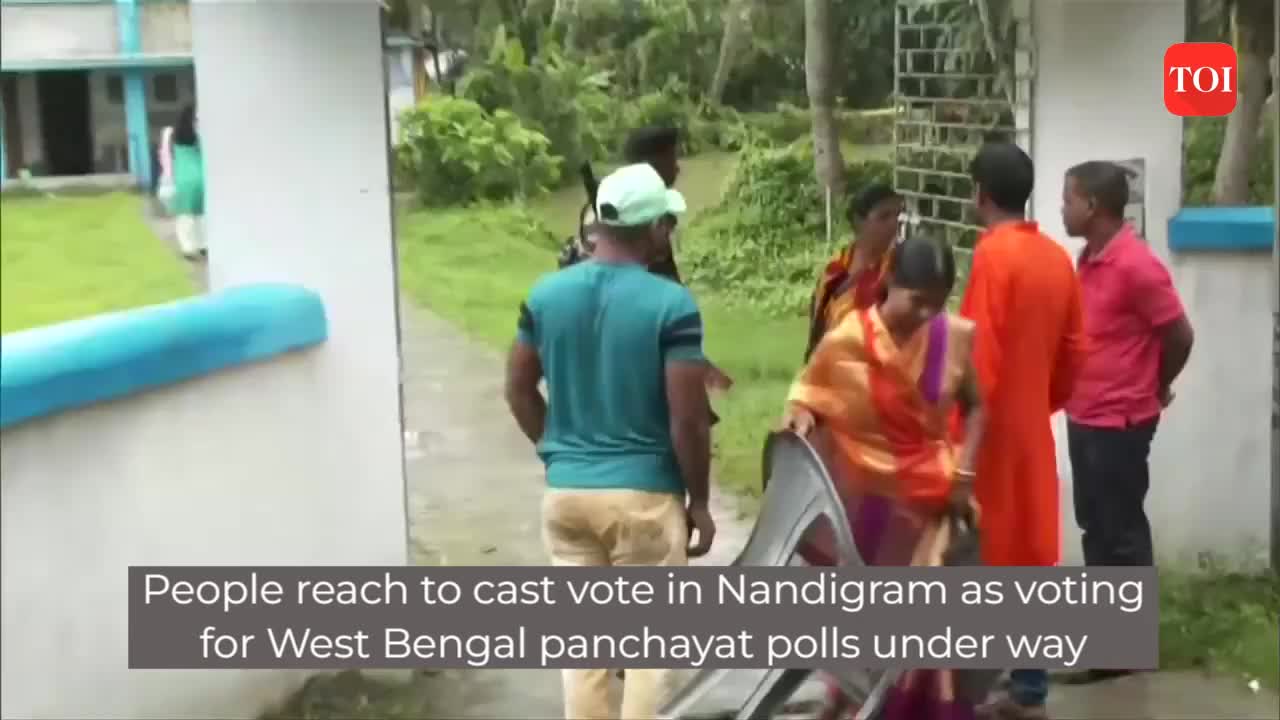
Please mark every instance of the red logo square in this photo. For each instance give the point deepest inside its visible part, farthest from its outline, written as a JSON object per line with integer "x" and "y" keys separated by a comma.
{"x": 1200, "y": 79}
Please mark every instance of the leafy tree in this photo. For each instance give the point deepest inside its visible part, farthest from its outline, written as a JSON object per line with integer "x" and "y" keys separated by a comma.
{"x": 1254, "y": 23}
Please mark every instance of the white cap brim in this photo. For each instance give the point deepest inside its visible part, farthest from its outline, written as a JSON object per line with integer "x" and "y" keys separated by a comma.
{"x": 675, "y": 202}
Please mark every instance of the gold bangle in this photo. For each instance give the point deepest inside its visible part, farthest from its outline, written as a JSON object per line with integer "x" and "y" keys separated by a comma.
{"x": 966, "y": 474}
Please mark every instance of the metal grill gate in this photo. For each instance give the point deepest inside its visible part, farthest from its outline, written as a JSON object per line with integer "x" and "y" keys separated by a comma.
{"x": 962, "y": 76}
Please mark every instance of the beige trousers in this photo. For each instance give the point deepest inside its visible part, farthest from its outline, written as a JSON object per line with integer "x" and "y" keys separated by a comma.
{"x": 605, "y": 528}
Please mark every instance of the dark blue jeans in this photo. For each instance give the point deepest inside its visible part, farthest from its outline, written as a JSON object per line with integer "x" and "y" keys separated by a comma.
{"x": 1029, "y": 688}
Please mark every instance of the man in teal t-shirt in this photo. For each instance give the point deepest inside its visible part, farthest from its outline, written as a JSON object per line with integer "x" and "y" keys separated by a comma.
{"x": 625, "y": 429}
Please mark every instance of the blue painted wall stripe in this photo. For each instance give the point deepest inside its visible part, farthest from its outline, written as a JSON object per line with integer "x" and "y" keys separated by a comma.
{"x": 1223, "y": 229}
{"x": 56, "y": 368}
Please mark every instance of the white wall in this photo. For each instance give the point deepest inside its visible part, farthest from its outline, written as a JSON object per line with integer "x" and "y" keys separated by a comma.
{"x": 1099, "y": 96}
{"x": 299, "y": 191}
{"x": 243, "y": 466}
{"x": 44, "y": 32}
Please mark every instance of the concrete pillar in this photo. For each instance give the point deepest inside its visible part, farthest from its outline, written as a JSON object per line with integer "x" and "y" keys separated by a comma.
{"x": 135, "y": 93}
{"x": 1275, "y": 315}
{"x": 293, "y": 125}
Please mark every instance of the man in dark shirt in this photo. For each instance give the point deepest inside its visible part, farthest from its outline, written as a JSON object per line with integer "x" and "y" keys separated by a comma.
{"x": 659, "y": 147}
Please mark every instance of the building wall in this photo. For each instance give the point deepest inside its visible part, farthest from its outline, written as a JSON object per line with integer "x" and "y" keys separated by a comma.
{"x": 1099, "y": 97}
{"x": 130, "y": 36}
{"x": 165, "y": 27}
{"x": 62, "y": 32}
{"x": 58, "y": 32}
{"x": 107, "y": 113}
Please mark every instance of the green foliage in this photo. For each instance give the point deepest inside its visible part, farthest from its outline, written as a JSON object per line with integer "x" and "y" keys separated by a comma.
{"x": 1218, "y": 620}
{"x": 649, "y": 42}
{"x": 1203, "y": 143}
{"x": 565, "y": 100}
{"x": 766, "y": 242}
{"x": 703, "y": 127}
{"x": 452, "y": 152}
{"x": 789, "y": 123}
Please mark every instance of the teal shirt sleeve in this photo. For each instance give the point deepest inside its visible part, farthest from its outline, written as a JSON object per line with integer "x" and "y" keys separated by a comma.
{"x": 681, "y": 338}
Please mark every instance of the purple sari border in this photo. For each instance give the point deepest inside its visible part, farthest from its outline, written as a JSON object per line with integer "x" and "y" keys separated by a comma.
{"x": 931, "y": 378}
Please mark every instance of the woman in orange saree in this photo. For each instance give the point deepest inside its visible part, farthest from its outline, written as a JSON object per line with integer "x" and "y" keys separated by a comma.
{"x": 855, "y": 278}
{"x": 880, "y": 388}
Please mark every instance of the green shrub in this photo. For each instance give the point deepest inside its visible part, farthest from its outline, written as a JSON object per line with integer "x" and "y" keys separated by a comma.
{"x": 565, "y": 100}
{"x": 703, "y": 127}
{"x": 668, "y": 106}
{"x": 1203, "y": 144}
{"x": 766, "y": 242}
{"x": 789, "y": 123}
{"x": 452, "y": 152}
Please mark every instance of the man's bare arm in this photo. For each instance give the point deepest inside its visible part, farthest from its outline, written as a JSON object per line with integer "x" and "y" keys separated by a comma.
{"x": 528, "y": 407}
{"x": 1176, "y": 339}
{"x": 975, "y": 420}
{"x": 690, "y": 426}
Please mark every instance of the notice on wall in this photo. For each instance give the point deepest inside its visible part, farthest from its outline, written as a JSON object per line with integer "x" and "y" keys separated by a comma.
{"x": 1135, "y": 211}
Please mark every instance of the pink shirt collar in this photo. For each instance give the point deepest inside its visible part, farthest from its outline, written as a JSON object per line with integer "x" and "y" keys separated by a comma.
{"x": 1123, "y": 236}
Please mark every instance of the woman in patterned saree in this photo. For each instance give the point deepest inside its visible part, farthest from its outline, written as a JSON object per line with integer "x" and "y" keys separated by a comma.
{"x": 877, "y": 395}
{"x": 855, "y": 278}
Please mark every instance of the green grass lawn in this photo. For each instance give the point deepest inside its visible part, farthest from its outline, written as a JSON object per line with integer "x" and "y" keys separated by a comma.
{"x": 70, "y": 257}
{"x": 1222, "y": 622}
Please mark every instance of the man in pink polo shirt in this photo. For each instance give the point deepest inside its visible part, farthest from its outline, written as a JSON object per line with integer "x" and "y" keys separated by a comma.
{"x": 1139, "y": 339}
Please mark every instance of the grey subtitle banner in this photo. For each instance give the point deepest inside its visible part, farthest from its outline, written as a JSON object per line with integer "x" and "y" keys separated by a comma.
{"x": 641, "y": 617}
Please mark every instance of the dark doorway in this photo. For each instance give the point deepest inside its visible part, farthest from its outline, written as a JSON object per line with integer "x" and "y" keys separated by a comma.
{"x": 13, "y": 147}
{"x": 64, "y": 122}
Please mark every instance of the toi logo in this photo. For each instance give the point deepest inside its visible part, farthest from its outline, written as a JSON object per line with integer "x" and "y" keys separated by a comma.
{"x": 1200, "y": 79}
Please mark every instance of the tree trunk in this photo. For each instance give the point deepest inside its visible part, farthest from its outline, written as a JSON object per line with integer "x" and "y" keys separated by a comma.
{"x": 419, "y": 55}
{"x": 1255, "y": 28}
{"x": 819, "y": 71}
{"x": 736, "y": 18}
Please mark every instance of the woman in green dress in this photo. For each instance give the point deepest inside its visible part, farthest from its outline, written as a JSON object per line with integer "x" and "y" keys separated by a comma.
{"x": 188, "y": 181}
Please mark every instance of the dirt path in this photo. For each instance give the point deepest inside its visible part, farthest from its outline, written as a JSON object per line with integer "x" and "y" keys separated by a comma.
{"x": 475, "y": 486}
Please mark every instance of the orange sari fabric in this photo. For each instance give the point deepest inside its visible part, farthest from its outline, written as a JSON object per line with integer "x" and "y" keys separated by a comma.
{"x": 1024, "y": 297}
{"x": 841, "y": 290}
{"x": 887, "y": 436}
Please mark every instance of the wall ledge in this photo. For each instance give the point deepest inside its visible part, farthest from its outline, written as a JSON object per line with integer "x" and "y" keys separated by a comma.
{"x": 1223, "y": 229}
{"x": 59, "y": 367}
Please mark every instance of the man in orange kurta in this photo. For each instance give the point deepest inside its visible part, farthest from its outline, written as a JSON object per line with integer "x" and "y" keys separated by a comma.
{"x": 1025, "y": 299}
